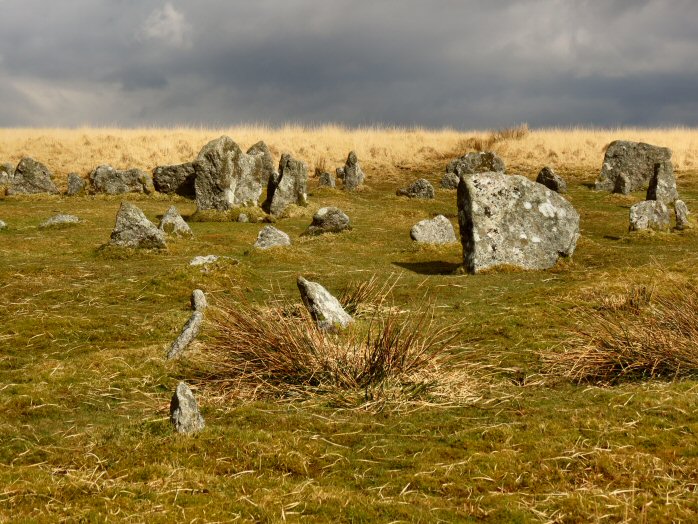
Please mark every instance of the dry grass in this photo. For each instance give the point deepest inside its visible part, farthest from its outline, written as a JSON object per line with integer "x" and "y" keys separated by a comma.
{"x": 636, "y": 335}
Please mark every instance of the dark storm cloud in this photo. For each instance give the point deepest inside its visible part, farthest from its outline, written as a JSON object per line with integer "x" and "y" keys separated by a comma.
{"x": 433, "y": 63}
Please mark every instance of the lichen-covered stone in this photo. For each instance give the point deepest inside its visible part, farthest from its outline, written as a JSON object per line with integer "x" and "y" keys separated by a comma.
{"x": 649, "y": 214}
{"x": 681, "y": 213}
{"x": 76, "y": 184}
{"x": 323, "y": 307}
{"x": 270, "y": 237}
{"x": 31, "y": 177}
{"x": 59, "y": 221}
{"x": 635, "y": 160}
{"x": 479, "y": 162}
{"x": 510, "y": 220}
{"x": 106, "y": 179}
{"x": 189, "y": 333}
{"x": 133, "y": 229}
{"x": 176, "y": 179}
{"x": 326, "y": 179}
{"x": 265, "y": 162}
{"x": 437, "y": 230}
{"x": 550, "y": 179}
{"x": 420, "y": 188}
{"x": 198, "y": 300}
{"x": 173, "y": 224}
{"x": 450, "y": 181}
{"x": 352, "y": 175}
{"x": 328, "y": 220}
{"x": 290, "y": 186}
{"x": 663, "y": 184}
{"x": 184, "y": 411}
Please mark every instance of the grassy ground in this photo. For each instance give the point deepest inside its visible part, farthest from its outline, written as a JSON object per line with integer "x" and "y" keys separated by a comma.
{"x": 84, "y": 388}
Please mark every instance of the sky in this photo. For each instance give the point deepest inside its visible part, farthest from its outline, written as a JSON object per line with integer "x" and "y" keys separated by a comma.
{"x": 431, "y": 63}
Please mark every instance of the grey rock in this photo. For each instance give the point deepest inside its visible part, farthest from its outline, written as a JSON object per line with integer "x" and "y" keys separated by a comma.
{"x": 189, "y": 333}
{"x": 420, "y": 188}
{"x": 265, "y": 162}
{"x": 681, "y": 212}
{"x": 184, "y": 411}
{"x": 3, "y": 225}
{"x": 450, "y": 181}
{"x": 339, "y": 173}
{"x": 204, "y": 260}
{"x": 353, "y": 176}
{"x": 59, "y": 221}
{"x": 76, "y": 184}
{"x": 133, "y": 229}
{"x": 550, "y": 179}
{"x": 649, "y": 214}
{"x": 173, "y": 224}
{"x": 510, "y": 220}
{"x": 480, "y": 162}
{"x": 289, "y": 187}
{"x": 634, "y": 159}
{"x": 328, "y": 220}
{"x": 323, "y": 307}
{"x": 438, "y": 230}
{"x": 178, "y": 179}
{"x": 31, "y": 177}
{"x": 198, "y": 300}
{"x": 327, "y": 180}
{"x": 663, "y": 184}
{"x": 7, "y": 171}
{"x": 243, "y": 218}
{"x": 106, "y": 179}
{"x": 623, "y": 184}
{"x": 270, "y": 237}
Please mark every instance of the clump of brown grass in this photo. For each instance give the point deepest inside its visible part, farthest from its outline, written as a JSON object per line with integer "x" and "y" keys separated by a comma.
{"x": 643, "y": 334}
{"x": 485, "y": 143}
{"x": 363, "y": 297}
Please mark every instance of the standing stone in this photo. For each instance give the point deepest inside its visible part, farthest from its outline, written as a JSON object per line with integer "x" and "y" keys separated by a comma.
{"x": 265, "y": 162}
{"x": 76, "y": 184}
{"x": 289, "y": 187}
{"x": 133, "y": 229}
{"x": 106, "y": 179}
{"x": 438, "y": 230}
{"x": 420, "y": 188}
{"x": 510, "y": 220}
{"x": 649, "y": 214}
{"x": 550, "y": 179}
{"x": 177, "y": 179}
{"x": 189, "y": 333}
{"x": 323, "y": 307}
{"x": 681, "y": 212}
{"x": 634, "y": 159}
{"x": 352, "y": 175}
{"x": 328, "y": 220}
{"x": 663, "y": 184}
{"x": 450, "y": 181}
{"x": 31, "y": 177}
{"x": 59, "y": 221}
{"x": 270, "y": 237}
{"x": 7, "y": 171}
{"x": 339, "y": 173}
{"x": 198, "y": 300}
{"x": 327, "y": 180}
{"x": 173, "y": 224}
{"x": 184, "y": 411}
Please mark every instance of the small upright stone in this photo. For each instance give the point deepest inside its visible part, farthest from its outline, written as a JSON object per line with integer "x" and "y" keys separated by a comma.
{"x": 173, "y": 224}
{"x": 681, "y": 212}
{"x": 663, "y": 184}
{"x": 76, "y": 184}
{"x": 323, "y": 307}
{"x": 57, "y": 221}
{"x": 198, "y": 300}
{"x": 184, "y": 411}
{"x": 270, "y": 237}
{"x": 189, "y": 333}
{"x": 550, "y": 179}
{"x": 327, "y": 180}
{"x": 133, "y": 229}
{"x": 328, "y": 220}
{"x": 650, "y": 214}
{"x": 289, "y": 187}
{"x": 31, "y": 177}
{"x": 420, "y": 188}
{"x": 450, "y": 181}
{"x": 438, "y": 230}
{"x": 353, "y": 176}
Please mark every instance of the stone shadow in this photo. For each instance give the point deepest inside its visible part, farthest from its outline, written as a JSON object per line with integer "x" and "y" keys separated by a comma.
{"x": 433, "y": 267}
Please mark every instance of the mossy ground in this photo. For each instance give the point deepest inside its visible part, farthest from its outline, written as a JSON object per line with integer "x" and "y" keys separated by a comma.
{"x": 85, "y": 390}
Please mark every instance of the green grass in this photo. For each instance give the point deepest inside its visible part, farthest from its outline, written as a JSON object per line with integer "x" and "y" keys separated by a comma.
{"x": 85, "y": 389}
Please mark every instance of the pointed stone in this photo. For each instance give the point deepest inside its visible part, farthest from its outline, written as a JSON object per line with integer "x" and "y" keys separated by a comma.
{"x": 173, "y": 224}
{"x": 550, "y": 179}
{"x": 270, "y": 237}
{"x": 189, "y": 333}
{"x": 184, "y": 411}
{"x": 352, "y": 175}
{"x": 133, "y": 229}
{"x": 31, "y": 177}
{"x": 323, "y": 307}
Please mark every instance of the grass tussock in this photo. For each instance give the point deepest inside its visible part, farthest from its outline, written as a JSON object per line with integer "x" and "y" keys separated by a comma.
{"x": 639, "y": 334}
{"x": 366, "y": 297}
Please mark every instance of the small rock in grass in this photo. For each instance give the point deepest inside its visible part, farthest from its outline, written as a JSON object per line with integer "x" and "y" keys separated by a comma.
{"x": 243, "y": 218}
{"x": 173, "y": 224}
{"x": 3, "y": 225}
{"x": 198, "y": 300}
{"x": 663, "y": 184}
{"x": 59, "y": 220}
{"x": 323, "y": 307}
{"x": 681, "y": 212}
{"x": 189, "y": 333}
{"x": 76, "y": 184}
{"x": 31, "y": 177}
{"x": 328, "y": 220}
{"x": 550, "y": 179}
{"x": 650, "y": 214}
{"x": 327, "y": 180}
{"x": 270, "y": 237}
{"x": 420, "y": 188}
{"x": 184, "y": 411}
{"x": 438, "y": 230}
{"x": 203, "y": 260}
{"x": 450, "y": 181}
{"x": 133, "y": 229}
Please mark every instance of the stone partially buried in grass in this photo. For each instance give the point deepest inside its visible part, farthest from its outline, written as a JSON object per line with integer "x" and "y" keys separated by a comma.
{"x": 106, "y": 179}
{"x": 270, "y": 237}
{"x": 133, "y": 229}
{"x": 173, "y": 224}
{"x": 58, "y": 221}
{"x": 31, "y": 177}
{"x": 185, "y": 416}
{"x": 650, "y": 214}
{"x": 323, "y": 307}
{"x": 328, "y": 220}
{"x": 550, "y": 179}
{"x": 510, "y": 220}
{"x": 76, "y": 184}
{"x": 420, "y": 188}
{"x": 437, "y": 230}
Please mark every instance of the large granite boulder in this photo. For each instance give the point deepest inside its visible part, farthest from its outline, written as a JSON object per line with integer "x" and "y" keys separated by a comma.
{"x": 289, "y": 186}
{"x": 106, "y": 179}
{"x": 76, "y": 184}
{"x": 663, "y": 184}
{"x": 270, "y": 237}
{"x": 550, "y": 179}
{"x": 323, "y": 307}
{"x": 185, "y": 416}
{"x": 351, "y": 173}
{"x": 328, "y": 220}
{"x": 173, "y": 224}
{"x": 437, "y": 230}
{"x": 420, "y": 188}
{"x": 649, "y": 214}
{"x": 133, "y": 229}
{"x": 177, "y": 179}
{"x": 510, "y": 220}
{"x": 629, "y": 166}
{"x": 681, "y": 212}
{"x": 31, "y": 177}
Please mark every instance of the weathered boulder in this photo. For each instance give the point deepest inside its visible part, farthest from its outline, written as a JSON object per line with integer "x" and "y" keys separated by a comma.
{"x": 550, "y": 179}
{"x": 270, "y": 237}
{"x": 290, "y": 186}
{"x": 510, "y": 220}
{"x": 351, "y": 174}
{"x": 76, "y": 184}
{"x": 7, "y": 170}
{"x": 635, "y": 160}
{"x": 177, "y": 179}
{"x": 323, "y": 307}
{"x": 437, "y": 230}
{"x": 663, "y": 184}
{"x": 479, "y": 162}
{"x": 173, "y": 224}
{"x": 328, "y": 220}
{"x": 420, "y": 188}
{"x": 681, "y": 213}
{"x": 106, "y": 179}
{"x": 31, "y": 177}
{"x": 184, "y": 411}
{"x": 326, "y": 179}
{"x": 133, "y": 229}
{"x": 59, "y": 221}
{"x": 265, "y": 163}
{"x": 189, "y": 333}
{"x": 198, "y": 300}
{"x": 450, "y": 181}
{"x": 243, "y": 218}
{"x": 649, "y": 214}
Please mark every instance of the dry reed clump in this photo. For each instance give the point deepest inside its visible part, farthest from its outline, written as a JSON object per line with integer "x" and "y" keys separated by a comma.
{"x": 277, "y": 351}
{"x": 638, "y": 335}
{"x": 366, "y": 297}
